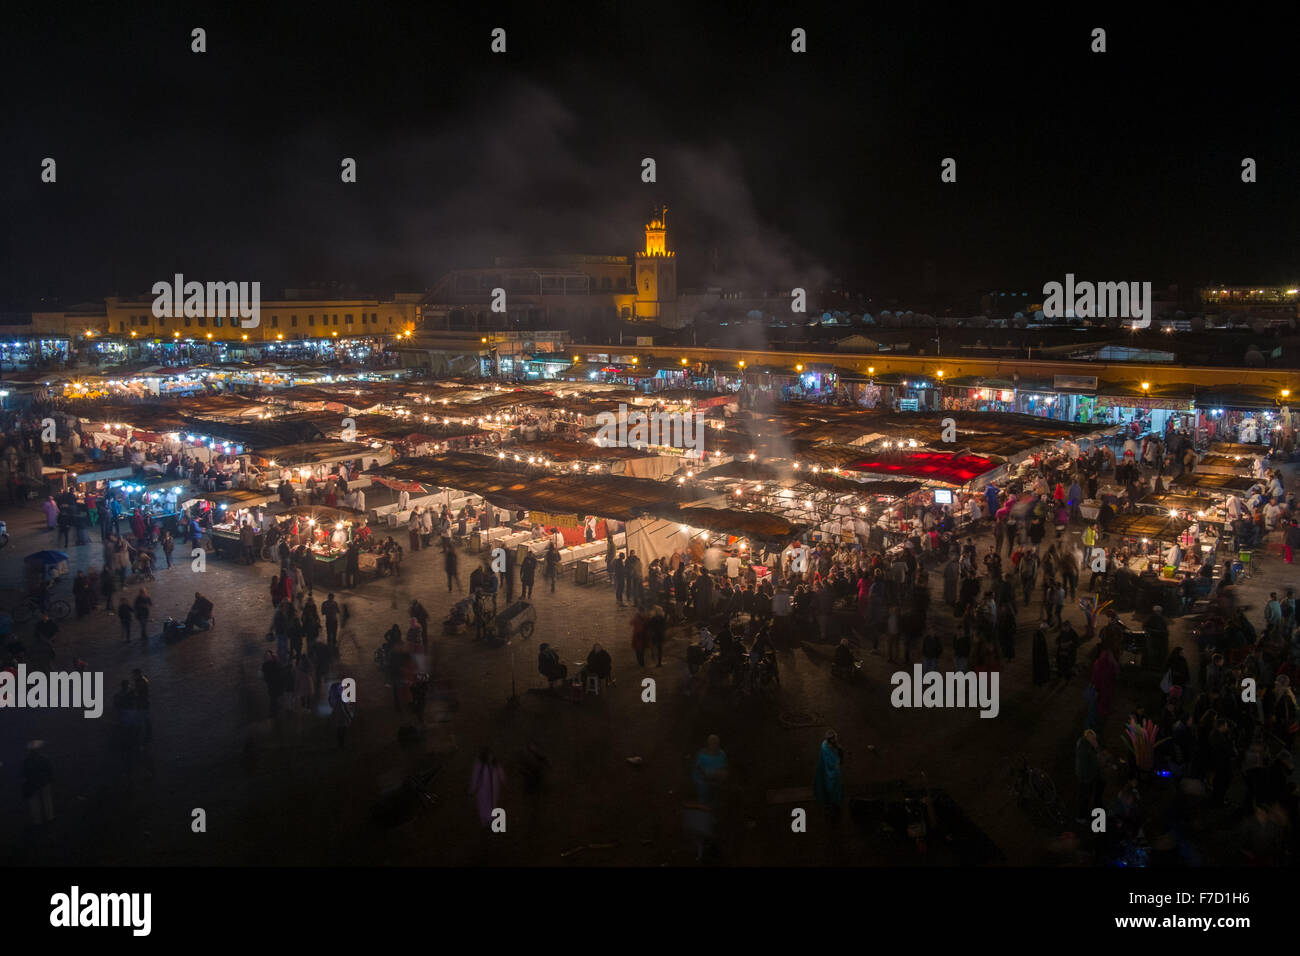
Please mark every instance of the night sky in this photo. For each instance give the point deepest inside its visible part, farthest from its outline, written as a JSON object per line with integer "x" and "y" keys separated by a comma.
{"x": 814, "y": 168}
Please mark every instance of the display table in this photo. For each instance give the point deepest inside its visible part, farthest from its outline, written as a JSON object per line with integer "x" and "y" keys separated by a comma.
{"x": 327, "y": 570}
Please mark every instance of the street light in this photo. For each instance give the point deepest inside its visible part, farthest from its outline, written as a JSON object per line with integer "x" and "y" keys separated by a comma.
{"x": 1286, "y": 393}
{"x": 1146, "y": 386}
{"x": 798, "y": 368}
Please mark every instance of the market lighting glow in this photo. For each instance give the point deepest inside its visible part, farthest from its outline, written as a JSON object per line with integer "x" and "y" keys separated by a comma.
{"x": 1286, "y": 393}
{"x": 1146, "y": 386}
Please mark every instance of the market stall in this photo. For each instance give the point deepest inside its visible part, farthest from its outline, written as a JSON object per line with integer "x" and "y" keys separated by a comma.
{"x": 228, "y": 511}
{"x": 327, "y": 532}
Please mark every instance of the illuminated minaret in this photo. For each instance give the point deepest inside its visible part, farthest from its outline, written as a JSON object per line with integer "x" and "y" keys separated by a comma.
{"x": 656, "y": 273}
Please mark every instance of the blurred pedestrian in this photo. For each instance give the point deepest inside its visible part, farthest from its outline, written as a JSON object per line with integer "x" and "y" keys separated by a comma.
{"x": 38, "y": 784}
{"x": 486, "y": 781}
{"x": 829, "y": 783}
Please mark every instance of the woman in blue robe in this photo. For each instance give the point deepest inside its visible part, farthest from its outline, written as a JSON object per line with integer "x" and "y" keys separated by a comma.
{"x": 829, "y": 783}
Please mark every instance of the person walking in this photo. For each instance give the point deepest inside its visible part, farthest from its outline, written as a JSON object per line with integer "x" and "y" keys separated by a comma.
{"x": 303, "y": 688}
{"x": 330, "y": 611}
{"x": 828, "y": 786}
{"x": 486, "y": 781}
{"x": 527, "y": 575}
{"x": 106, "y": 587}
{"x": 353, "y": 566}
{"x": 121, "y": 560}
{"x": 125, "y": 616}
{"x": 51, "y": 513}
{"x": 552, "y": 565}
{"x": 143, "y": 604}
{"x": 83, "y": 594}
{"x": 38, "y": 784}
{"x": 619, "y": 573}
{"x": 635, "y": 578}
{"x": 451, "y": 564}
{"x": 341, "y": 715}
{"x": 419, "y": 614}
{"x": 311, "y": 621}
{"x": 1087, "y": 772}
{"x": 168, "y": 546}
{"x": 639, "y": 637}
{"x": 709, "y": 772}
{"x": 658, "y": 627}
{"x": 271, "y": 675}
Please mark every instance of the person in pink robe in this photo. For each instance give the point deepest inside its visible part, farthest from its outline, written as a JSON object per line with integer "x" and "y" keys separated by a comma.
{"x": 1105, "y": 671}
{"x": 486, "y": 782}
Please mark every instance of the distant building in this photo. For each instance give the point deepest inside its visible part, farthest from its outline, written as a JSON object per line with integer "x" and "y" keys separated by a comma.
{"x": 555, "y": 292}
{"x": 1276, "y": 301}
{"x": 297, "y": 316}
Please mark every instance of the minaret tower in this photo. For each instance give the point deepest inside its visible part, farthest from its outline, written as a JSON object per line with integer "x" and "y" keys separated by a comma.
{"x": 656, "y": 273}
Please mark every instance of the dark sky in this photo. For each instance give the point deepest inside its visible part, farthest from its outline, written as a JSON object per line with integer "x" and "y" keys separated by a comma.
{"x": 796, "y": 168}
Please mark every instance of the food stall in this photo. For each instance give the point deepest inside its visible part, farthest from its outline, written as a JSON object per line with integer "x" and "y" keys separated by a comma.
{"x": 160, "y": 496}
{"x": 229, "y": 509}
{"x": 1160, "y": 550}
{"x": 327, "y": 532}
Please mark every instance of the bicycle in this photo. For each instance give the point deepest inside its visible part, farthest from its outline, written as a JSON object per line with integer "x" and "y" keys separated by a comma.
{"x": 1035, "y": 793}
{"x": 56, "y": 608}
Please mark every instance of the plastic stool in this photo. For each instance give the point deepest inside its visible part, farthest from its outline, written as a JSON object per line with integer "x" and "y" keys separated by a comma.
{"x": 594, "y": 685}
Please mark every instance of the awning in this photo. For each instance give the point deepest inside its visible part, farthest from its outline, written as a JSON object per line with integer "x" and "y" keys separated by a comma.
{"x": 100, "y": 473}
{"x": 411, "y": 487}
{"x": 234, "y": 498}
{"x": 1158, "y": 527}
